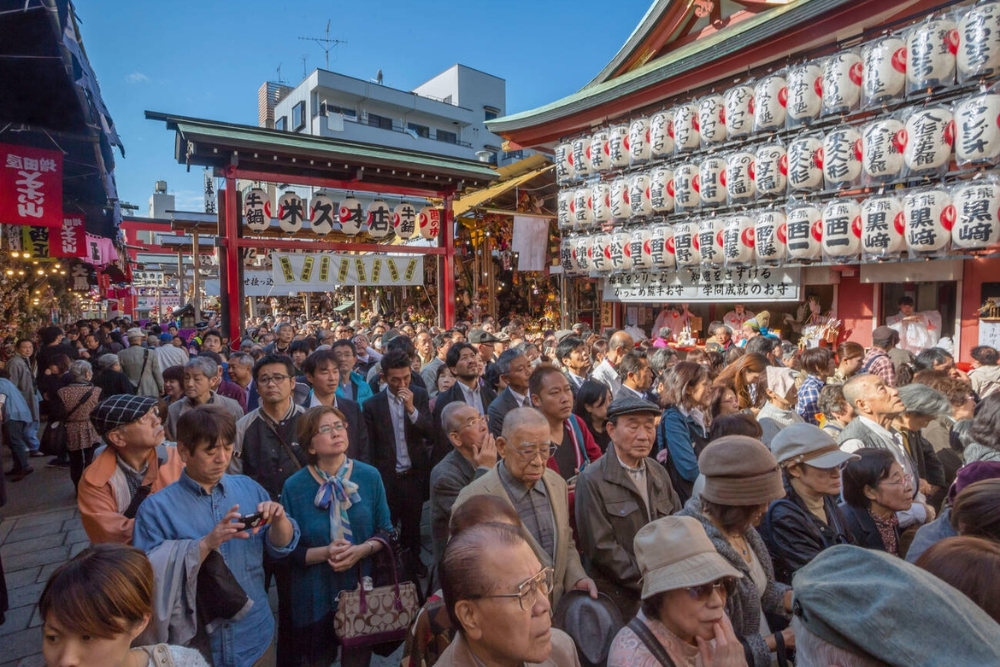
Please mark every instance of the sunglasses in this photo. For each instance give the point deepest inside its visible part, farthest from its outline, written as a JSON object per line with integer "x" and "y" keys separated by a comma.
{"x": 725, "y": 587}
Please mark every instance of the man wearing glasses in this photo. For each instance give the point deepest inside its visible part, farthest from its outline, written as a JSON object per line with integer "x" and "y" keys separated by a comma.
{"x": 497, "y": 596}
{"x": 474, "y": 454}
{"x": 538, "y": 495}
{"x": 136, "y": 463}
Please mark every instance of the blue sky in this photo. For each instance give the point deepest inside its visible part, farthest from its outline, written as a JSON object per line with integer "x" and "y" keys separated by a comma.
{"x": 207, "y": 59}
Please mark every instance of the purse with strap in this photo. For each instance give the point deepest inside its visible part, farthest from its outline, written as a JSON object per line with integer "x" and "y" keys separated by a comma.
{"x": 53, "y": 441}
{"x": 646, "y": 636}
{"x": 383, "y": 614}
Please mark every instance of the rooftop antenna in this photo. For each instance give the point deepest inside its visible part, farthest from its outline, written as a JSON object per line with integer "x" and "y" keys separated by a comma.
{"x": 280, "y": 80}
{"x": 304, "y": 72}
{"x": 378, "y": 77}
{"x": 326, "y": 43}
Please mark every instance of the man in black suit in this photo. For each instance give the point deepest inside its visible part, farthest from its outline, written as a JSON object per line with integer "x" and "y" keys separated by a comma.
{"x": 399, "y": 424}
{"x": 574, "y": 356}
{"x": 466, "y": 365}
{"x": 322, "y": 372}
{"x": 515, "y": 369}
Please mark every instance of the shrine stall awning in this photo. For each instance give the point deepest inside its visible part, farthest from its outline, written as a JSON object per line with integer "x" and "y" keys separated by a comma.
{"x": 486, "y": 195}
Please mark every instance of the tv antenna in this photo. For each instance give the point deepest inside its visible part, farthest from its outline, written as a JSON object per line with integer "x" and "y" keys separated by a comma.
{"x": 280, "y": 80}
{"x": 326, "y": 43}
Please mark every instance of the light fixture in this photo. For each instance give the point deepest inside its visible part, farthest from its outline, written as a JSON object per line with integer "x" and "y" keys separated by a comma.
{"x": 15, "y": 254}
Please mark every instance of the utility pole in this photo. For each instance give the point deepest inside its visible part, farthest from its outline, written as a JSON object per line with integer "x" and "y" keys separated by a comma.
{"x": 326, "y": 43}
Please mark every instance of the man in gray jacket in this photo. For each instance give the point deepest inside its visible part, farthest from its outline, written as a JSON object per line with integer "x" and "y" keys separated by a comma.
{"x": 22, "y": 374}
{"x": 141, "y": 365}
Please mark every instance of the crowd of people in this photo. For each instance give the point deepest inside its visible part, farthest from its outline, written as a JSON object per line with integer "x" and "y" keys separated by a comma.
{"x": 751, "y": 504}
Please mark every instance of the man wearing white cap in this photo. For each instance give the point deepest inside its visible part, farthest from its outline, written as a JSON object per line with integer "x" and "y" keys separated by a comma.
{"x": 779, "y": 411}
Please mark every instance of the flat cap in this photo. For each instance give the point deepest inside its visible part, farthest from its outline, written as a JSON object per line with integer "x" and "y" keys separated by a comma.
{"x": 883, "y": 334}
{"x": 120, "y": 410}
{"x": 874, "y": 604}
{"x": 480, "y": 337}
{"x": 631, "y": 405}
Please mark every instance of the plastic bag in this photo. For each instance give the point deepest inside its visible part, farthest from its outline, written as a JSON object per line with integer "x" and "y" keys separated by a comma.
{"x": 565, "y": 172}
{"x": 977, "y": 214}
{"x": 598, "y": 156}
{"x": 638, "y": 142}
{"x": 805, "y": 91}
{"x": 638, "y": 196}
{"x": 661, "y": 248}
{"x": 804, "y": 230}
{"x": 770, "y": 170}
{"x": 882, "y": 144}
{"x": 884, "y": 65}
{"x": 929, "y": 137}
{"x": 841, "y": 233}
{"x": 769, "y": 99}
{"x": 620, "y": 209}
{"x": 619, "y": 251}
{"x": 686, "y": 244}
{"x": 770, "y": 230}
{"x": 883, "y": 226}
{"x": 686, "y": 136}
{"x": 584, "y": 249}
{"x": 805, "y": 170}
{"x": 841, "y": 157}
{"x": 738, "y": 240}
{"x": 687, "y": 195}
{"x": 931, "y": 46}
{"x": 581, "y": 156}
{"x": 661, "y": 135}
{"x": 842, "y": 75}
{"x": 979, "y": 42}
{"x": 739, "y": 177}
{"x": 739, "y": 110}
{"x": 617, "y": 142}
{"x": 712, "y": 120}
{"x": 977, "y": 129}
{"x": 639, "y": 246}
{"x": 661, "y": 190}
{"x": 711, "y": 181}
{"x": 564, "y": 208}
{"x": 600, "y": 199}
{"x": 709, "y": 241}
{"x": 600, "y": 254}
{"x": 930, "y": 218}
{"x": 583, "y": 208}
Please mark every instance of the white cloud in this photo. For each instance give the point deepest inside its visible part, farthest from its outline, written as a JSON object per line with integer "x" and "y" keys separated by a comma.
{"x": 136, "y": 77}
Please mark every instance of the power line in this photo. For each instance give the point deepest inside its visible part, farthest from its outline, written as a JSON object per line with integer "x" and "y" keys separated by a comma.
{"x": 326, "y": 43}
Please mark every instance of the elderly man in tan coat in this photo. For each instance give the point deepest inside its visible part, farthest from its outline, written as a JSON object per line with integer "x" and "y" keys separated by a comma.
{"x": 538, "y": 495}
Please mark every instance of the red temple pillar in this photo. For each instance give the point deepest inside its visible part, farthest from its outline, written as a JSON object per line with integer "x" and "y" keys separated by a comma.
{"x": 234, "y": 298}
{"x": 447, "y": 280}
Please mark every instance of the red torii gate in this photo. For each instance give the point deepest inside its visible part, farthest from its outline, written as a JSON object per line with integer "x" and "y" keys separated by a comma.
{"x": 275, "y": 156}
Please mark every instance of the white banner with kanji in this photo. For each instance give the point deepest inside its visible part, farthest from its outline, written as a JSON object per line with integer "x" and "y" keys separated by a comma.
{"x": 322, "y": 272}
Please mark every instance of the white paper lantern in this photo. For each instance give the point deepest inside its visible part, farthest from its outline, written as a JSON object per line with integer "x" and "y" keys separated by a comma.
{"x": 600, "y": 202}
{"x": 739, "y": 177}
{"x": 841, "y": 228}
{"x": 930, "y": 218}
{"x": 565, "y": 171}
{"x": 882, "y": 144}
{"x": 640, "y": 248}
{"x": 639, "y": 200}
{"x": 617, "y": 151}
{"x": 565, "y": 206}
{"x": 429, "y": 222}
{"x": 351, "y": 216}
{"x": 805, "y": 232}
{"x": 686, "y": 137}
{"x": 979, "y": 42}
{"x": 661, "y": 190}
{"x": 567, "y": 256}
{"x": 977, "y": 212}
{"x": 600, "y": 254}
{"x": 582, "y": 253}
{"x": 597, "y": 152}
{"x": 712, "y": 120}
{"x": 581, "y": 153}
{"x": 805, "y": 90}
{"x": 661, "y": 248}
{"x": 883, "y": 226}
{"x": 291, "y": 212}
{"x": 841, "y": 157}
{"x": 739, "y": 111}
{"x": 379, "y": 219}
{"x": 257, "y": 210}
{"x": 805, "y": 167}
{"x": 738, "y": 240}
{"x": 583, "y": 209}
{"x": 770, "y": 231}
{"x": 661, "y": 135}
{"x": 770, "y": 166}
{"x": 977, "y": 129}
{"x": 620, "y": 251}
{"x": 686, "y": 186}
{"x": 710, "y": 241}
{"x": 323, "y": 214}
{"x": 404, "y": 220}
{"x": 842, "y": 76}
{"x": 686, "y": 244}
{"x": 711, "y": 181}
{"x": 930, "y": 135}
{"x": 930, "y": 54}
{"x": 620, "y": 209}
{"x": 884, "y": 63}
{"x": 638, "y": 141}
{"x": 769, "y": 100}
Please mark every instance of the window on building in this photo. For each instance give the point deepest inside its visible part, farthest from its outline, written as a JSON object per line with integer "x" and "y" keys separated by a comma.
{"x": 491, "y": 112}
{"x": 379, "y": 121}
{"x": 346, "y": 113}
{"x": 513, "y": 155}
{"x": 419, "y": 130}
{"x": 299, "y": 116}
{"x": 447, "y": 137}
{"x": 281, "y": 123}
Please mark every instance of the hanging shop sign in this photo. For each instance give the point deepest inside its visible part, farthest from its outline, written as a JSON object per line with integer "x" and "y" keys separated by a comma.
{"x": 30, "y": 186}
{"x": 751, "y": 284}
{"x": 258, "y": 282}
{"x": 322, "y": 272}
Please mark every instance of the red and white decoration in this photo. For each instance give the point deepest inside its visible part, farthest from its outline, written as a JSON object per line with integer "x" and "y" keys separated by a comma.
{"x": 31, "y": 186}
{"x": 429, "y": 222}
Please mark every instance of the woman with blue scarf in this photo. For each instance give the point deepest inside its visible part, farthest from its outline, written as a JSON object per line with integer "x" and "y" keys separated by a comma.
{"x": 339, "y": 505}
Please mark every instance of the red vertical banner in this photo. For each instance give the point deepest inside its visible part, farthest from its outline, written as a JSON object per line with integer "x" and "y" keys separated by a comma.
{"x": 30, "y": 186}
{"x": 70, "y": 240}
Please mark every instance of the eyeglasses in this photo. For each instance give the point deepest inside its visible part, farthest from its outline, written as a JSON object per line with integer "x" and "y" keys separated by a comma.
{"x": 903, "y": 479}
{"x": 528, "y": 454}
{"x": 478, "y": 419}
{"x": 528, "y": 591}
{"x": 328, "y": 429}
{"x": 272, "y": 379}
{"x": 725, "y": 587}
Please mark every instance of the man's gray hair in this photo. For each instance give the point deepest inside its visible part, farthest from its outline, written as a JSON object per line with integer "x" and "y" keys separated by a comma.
{"x": 449, "y": 416}
{"x": 507, "y": 358}
{"x": 811, "y": 651}
{"x": 204, "y": 365}
{"x": 922, "y": 400}
{"x": 519, "y": 417}
{"x": 107, "y": 360}
{"x": 241, "y": 359}
{"x": 664, "y": 332}
{"x": 79, "y": 370}
{"x": 857, "y": 388}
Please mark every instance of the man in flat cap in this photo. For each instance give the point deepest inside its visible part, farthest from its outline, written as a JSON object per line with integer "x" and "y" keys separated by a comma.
{"x": 136, "y": 463}
{"x": 619, "y": 494}
{"x": 866, "y": 608}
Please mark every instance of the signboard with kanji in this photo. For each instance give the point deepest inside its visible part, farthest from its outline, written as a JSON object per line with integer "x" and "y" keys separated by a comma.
{"x": 30, "y": 186}
{"x": 750, "y": 284}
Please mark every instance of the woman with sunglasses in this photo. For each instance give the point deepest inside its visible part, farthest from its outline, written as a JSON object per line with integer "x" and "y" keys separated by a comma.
{"x": 339, "y": 504}
{"x": 742, "y": 478}
{"x": 685, "y": 587}
{"x": 875, "y": 488}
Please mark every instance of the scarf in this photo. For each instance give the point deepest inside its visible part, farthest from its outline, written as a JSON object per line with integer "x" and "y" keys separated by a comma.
{"x": 337, "y": 494}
